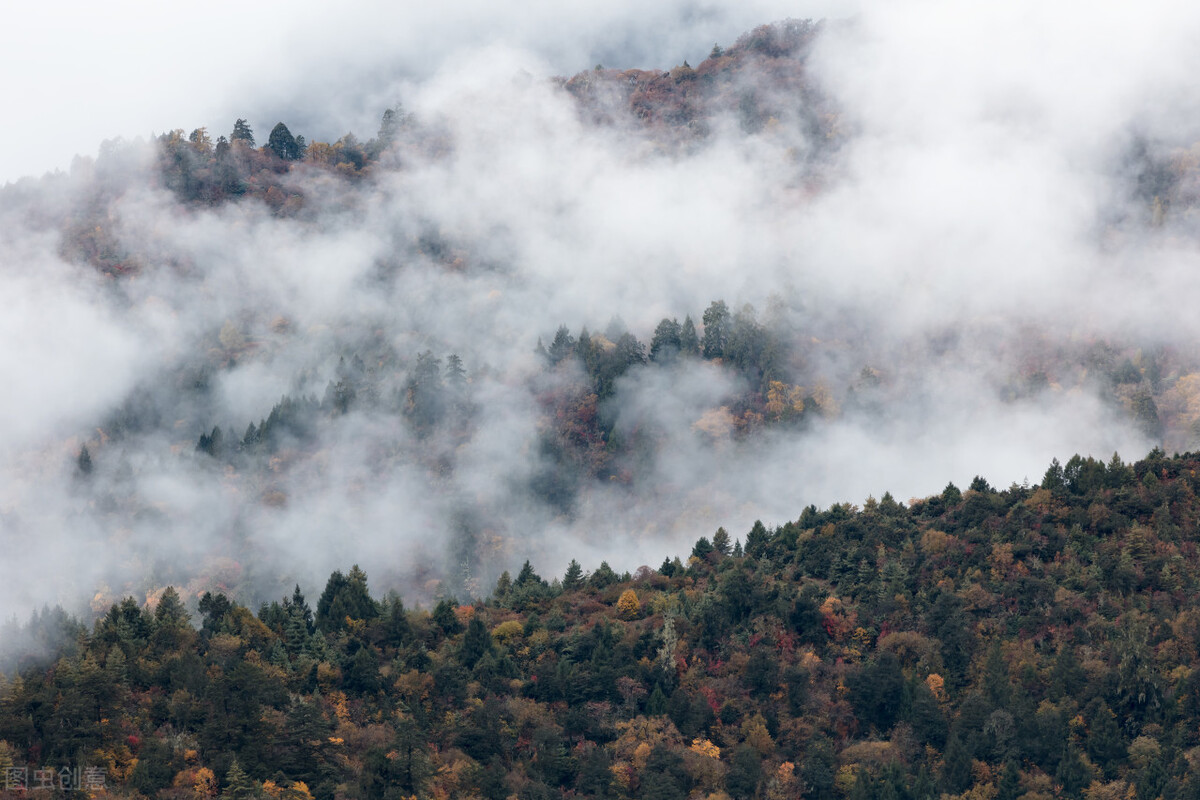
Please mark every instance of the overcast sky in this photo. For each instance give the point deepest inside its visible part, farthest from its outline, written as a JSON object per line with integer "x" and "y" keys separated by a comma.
{"x": 74, "y": 73}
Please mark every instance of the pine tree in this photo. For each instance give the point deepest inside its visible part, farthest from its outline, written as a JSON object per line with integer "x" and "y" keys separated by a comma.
{"x": 562, "y": 346}
{"x": 299, "y": 606}
{"x": 443, "y": 616}
{"x": 720, "y": 542}
{"x": 239, "y": 785}
{"x": 716, "y": 329}
{"x": 84, "y": 462}
{"x": 397, "y": 627}
{"x": 476, "y": 643}
{"x": 757, "y": 539}
{"x": 573, "y": 578}
{"x": 455, "y": 374}
{"x": 170, "y": 611}
{"x": 345, "y": 597}
{"x": 956, "y": 771}
{"x": 242, "y": 133}
{"x": 295, "y": 633}
{"x": 1053, "y": 479}
{"x": 689, "y": 342}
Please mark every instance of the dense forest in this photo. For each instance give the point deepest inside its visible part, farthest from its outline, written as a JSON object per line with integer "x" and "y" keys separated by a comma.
{"x": 1029, "y": 642}
{"x": 572, "y": 326}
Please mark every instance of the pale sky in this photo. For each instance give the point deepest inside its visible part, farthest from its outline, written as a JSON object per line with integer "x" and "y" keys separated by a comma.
{"x": 74, "y": 73}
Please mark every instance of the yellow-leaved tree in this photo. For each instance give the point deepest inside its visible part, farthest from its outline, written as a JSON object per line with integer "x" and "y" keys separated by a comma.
{"x": 628, "y": 605}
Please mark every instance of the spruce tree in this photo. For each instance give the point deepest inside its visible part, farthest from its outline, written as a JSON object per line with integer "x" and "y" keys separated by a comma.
{"x": 239, "y": 785}
{"x": 573, "y": 578}
{"x": 720, "y": 542}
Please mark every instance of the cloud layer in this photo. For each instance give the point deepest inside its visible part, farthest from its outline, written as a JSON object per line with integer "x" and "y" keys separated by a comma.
{"x": 962, "y": 239}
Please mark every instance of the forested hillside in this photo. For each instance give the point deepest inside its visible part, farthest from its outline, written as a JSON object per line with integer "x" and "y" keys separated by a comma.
{"x": 1036, "y": 641}
{"x": 618, "y": 329}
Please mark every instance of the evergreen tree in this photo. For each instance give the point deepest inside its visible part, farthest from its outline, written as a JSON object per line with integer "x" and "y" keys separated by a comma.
{"x": 476, "y": 643}
{"x": 362, "y": 673}
{"x": 689, "y": 342}
{"x": 716, "y": 329}
{"x": 1104, "y": 744}
{"x": 239, "y": 785}
{"x": 1053, "y": 479}
{"x": 745, "y": 773}
{"x": 456, "y": 375}
{"x": 720, "y": 542}
{"x": 527, "y": 576}
{"x": 300, "y": 608}
{"x": 242, "y": 133}
{"x": 1072, "y": 773}
{"x": 996, "y": 684}
{"x": 595, "y": 774}
{"x": 411, "y": 768}
{"x": 1009, "y": 787}
{"x": 282, "y": 143}
{"x": 389, "y": 126}
{"x": 212, "y": 444}
{"x": 397, "y": 629}
{"x": 1066, "y": 676}
{"x": 602, "y": 577}
{"x": 656, "y": 705}
{"x": 757, "y": 539}
{"x": 170, "y": 610}
{"x": 628, "y": 352}
{"x": 573, "y": 578}
{"x": 562, "y": 347}
{"x": 215, "y": 608}
{"x": 666, "y": 344}
{"x": 345, "y": 597}
{"x": 503, "y": 586}
{"x": 84, "y": 463}
{"x": 671, "y": 780}
{"x": 295, "y": 633}
{"x": 956, "y": 771}
{"x": 443, "y": 616}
